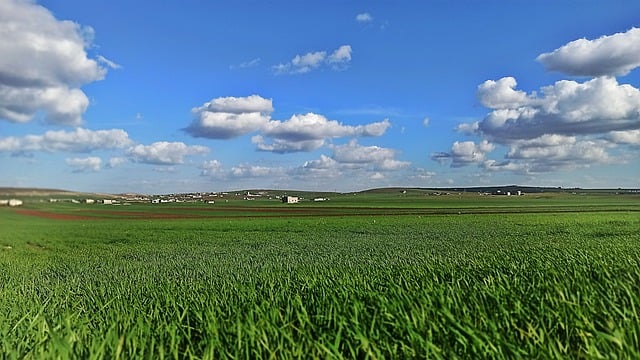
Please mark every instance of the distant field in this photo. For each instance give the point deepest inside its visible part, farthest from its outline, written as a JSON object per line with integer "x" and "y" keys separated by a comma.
{"x": 359, "y": 276}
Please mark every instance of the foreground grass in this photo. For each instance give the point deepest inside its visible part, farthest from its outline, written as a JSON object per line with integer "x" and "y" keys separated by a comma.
{"x": 468, "y": 286}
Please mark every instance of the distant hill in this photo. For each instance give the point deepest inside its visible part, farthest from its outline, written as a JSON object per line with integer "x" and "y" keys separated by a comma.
{"x": 39, "y": 192}
{"x": 14, "y": 191}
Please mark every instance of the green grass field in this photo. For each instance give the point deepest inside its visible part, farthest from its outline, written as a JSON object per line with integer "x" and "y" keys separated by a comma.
{"x": 360, "y": 276}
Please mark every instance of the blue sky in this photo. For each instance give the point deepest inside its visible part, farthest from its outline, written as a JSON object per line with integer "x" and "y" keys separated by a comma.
{"x": 177, "y": 96}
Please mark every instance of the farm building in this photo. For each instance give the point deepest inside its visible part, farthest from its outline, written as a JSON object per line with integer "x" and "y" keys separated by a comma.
{"x": 290, "y": 199}
{"x": 15, "y": 202}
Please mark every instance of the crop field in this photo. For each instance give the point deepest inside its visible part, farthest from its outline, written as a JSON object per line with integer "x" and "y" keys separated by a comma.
{"x": 359, "y": 276}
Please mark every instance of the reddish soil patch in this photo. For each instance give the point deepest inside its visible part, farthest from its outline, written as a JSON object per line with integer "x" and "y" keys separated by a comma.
{"x": 54, "y": 216}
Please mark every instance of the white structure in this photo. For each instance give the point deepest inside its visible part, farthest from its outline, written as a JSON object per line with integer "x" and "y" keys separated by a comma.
{"x": 15, "y": 202}
{"x": 290, "y": 199}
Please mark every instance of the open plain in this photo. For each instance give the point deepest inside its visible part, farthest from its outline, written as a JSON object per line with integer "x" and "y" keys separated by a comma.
{"x": 384, "y": 274}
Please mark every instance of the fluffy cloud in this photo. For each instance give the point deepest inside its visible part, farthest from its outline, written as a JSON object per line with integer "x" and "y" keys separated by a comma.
{"x": 552, "y": 153}
{"x": 211, "y": 168}
{"x": 43, "y": 64}
{"x": 356, "y": 155}
{"x": 87, "y": 164}
{"x": 501, "y": 94}
{"x": 615, "y": 54}
{"x": 631, "y": 137}
{"x": 569, "y": 108}
{"x": 164, "y": 153}
{"x": 352, "y": 161}
{"x": 254, "y": 171}
{"x": 282, "y": 146}
{"x": 308, "y": 132}
{"x": 116, "y": 161}
{"x": 79, "y": 140}
{"x": 364, "y": 18}
{"x": 464, "y": 153}
{"x": 339, "y": 59}
{"x": 229, "y": 117}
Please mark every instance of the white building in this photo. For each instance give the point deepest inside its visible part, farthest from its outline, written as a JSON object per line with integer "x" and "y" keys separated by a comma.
{"x": 290, "y": 199}
{"x": 15, "y": 202}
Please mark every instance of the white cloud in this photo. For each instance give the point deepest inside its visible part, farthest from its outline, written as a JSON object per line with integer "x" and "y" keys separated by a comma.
{"x": 380, "y": 158}
{"x": 468, "y": 128}
{"x": 282, "y": 146}
{"x": 426, "y": 121}
{"x": 310, "y": 131}
{"x": 501, "y": 94}
{"x": 116, "y": 161}
{"x": 229, "y": 117}
{"x": 631, "y": 137}
{"x": 43, "y": 64}
{"x": 464, "y": 153}
{"x": 211, "y": 168}
{"x": 552, "y": 153}
{"x": 79, "y": 140}
{"x": 87, "y": 164}
{"x": 254, "y": 171}
{"x": 339, "y": 59}
{"x": 364, "y": 17}
{"x": 238, "y": 105}
{"x": 611, "y": 55}
{"x": 314, "y": 126}
{"x": 596, "y": 106}
{"x": 164, "y": 153}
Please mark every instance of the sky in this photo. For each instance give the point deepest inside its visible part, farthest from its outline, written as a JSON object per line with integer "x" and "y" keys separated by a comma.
{"x": 191, "y": 96}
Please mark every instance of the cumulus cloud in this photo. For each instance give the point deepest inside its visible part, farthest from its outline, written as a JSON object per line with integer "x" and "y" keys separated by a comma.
{"x": 309, "y": 131}
{"x": 631, "y": 137}
{"x": 229, "y": 117}
{"x": 552, "y": 153}
{"x": 339, "y": 59}
{"x": 79, "y": 140}
{"x": 464, "y": 153}
{"x": 88, "y": 164}
{"x": 254, "y": 171}
{"x": 379, "y": 158}
{"x": 364, "y": 17}
{"x": 568, "y": 108}
{"x": 116, "y": 161}
{"x": 501, "y": 94}
{"x": 164, "y": 153}
{"x": 43, "y": 64}
{"x": 282, "y": 146}
{"x": 211, "y": 168}
{"x": 610, "y": 55}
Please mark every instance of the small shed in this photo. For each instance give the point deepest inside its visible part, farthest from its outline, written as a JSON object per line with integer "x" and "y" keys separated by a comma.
{"x": 290, "y": 199}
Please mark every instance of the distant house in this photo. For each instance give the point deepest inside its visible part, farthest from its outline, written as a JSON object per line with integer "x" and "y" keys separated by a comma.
{"x": 108, "y": 202}
{"x": 15, "y": 202}
{"x": 89, "y": 201}
{"x": 290, "y": 199}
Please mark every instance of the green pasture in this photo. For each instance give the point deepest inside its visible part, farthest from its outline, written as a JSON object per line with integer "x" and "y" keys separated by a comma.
{"x": 554, "y": 277}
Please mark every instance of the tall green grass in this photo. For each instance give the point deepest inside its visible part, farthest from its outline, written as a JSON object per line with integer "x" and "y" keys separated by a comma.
{"x": 442, "y": 287}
